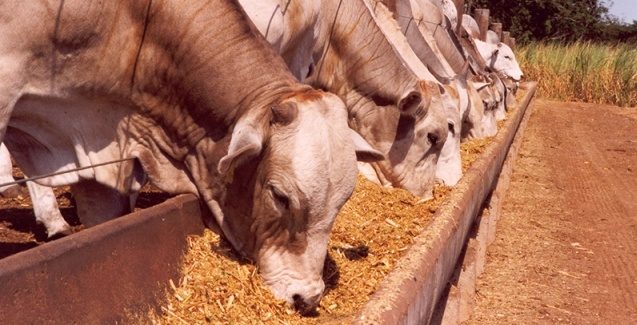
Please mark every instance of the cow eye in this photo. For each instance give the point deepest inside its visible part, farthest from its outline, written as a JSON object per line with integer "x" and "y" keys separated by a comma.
{"x": 451, "y": 128}
{"x": 280, "y": 198}
{"x": 507, "y": 57}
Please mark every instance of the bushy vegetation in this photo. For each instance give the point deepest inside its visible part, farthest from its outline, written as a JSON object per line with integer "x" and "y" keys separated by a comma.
{"x": 558, "y": 20}
{"x": 582, "y": 71}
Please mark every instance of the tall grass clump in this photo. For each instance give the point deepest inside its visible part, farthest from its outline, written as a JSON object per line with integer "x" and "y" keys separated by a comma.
{"x": 582, "y": 71}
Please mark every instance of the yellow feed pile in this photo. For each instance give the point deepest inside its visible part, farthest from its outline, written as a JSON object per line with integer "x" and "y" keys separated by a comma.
{"x": 471, "y": 150}
{"x": 371, "y": 233}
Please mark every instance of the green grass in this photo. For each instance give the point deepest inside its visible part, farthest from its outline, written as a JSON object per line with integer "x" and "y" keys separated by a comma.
{"x": 582, "y": 71}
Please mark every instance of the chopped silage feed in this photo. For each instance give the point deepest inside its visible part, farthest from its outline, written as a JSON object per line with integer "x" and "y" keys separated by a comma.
{"x": 371, "y": 233}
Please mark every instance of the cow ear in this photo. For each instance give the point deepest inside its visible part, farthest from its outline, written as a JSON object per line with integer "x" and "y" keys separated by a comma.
{"x": 408, "y": 104}
{"x": 246, "y": 143}
{"x": 364, "y": 151}
{"x": 478, "y": 85}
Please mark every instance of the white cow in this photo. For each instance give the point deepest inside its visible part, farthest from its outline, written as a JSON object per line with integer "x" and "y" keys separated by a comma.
{"x": 422, "y": 24}
{"x": 492, "y": 37}
{"x": 498, "y": 57}
{"x": 449, "y": 166}
{"x": 203, "y": 105}
{"x": 471, "y": 26}
{"x": 372, "y": 76}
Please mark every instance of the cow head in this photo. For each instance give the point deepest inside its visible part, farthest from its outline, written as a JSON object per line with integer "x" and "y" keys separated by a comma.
{"x": 296, "y": 163}
{"x": 473, "y": 118}
{"x": 511, "y": 87}
{"x": 409, "y": 131}
{"x": 488, "y": 94}
{"x": 456, "y": 101}
{"x": 501, "y": 58}
{"x": 500, "y": 92}
{"x": 489, "y": 98}
{"x": 419, "y": 137}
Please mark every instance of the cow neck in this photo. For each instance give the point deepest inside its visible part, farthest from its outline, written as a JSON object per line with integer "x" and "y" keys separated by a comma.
{"x": 217, "y": 66}
{"x": 220, "y": 72}
{"x": 358, "y": 57}
{"x": 469, "y": 46}
{"x": 416, "y": 29}
{"x": 196, "y": 80}
{"x": 440, "y": 34}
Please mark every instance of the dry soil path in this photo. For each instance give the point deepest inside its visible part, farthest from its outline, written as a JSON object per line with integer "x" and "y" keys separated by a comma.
{"x": 566, "y": 246}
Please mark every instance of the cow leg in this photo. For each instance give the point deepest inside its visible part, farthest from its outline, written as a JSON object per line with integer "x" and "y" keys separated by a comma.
{"x": 6, "y": 174}
{"x": 11, "y": 71}
{"x": 97, "y": 203}
{"x": 46, "y": 210}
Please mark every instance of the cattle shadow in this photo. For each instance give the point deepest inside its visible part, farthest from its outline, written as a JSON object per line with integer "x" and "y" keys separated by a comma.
{"x": 331, "y": 272}
{"x": 354, "y": 253}
{"x": 225, "y": 249}
{"x": 19, "y": 230}
{"x": 8, "y": 249}
{"x": 149, "y": 199}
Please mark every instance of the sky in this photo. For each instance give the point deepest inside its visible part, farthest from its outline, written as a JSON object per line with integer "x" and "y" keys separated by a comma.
{"x": 625, "y": 10}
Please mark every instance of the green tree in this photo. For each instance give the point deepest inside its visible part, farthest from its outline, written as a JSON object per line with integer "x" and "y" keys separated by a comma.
{"x": 550, "y": 20}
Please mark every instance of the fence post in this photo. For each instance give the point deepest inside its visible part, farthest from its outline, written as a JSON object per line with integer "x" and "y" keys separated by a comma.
{"x": 497, "y": 28}
{"x": 506, "y": 38}
{"x": 512, "y": 43}
{"x": 482, "y": 17}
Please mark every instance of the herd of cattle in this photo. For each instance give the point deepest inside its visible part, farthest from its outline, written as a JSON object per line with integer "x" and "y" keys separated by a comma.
{"x": 265, "y": 109}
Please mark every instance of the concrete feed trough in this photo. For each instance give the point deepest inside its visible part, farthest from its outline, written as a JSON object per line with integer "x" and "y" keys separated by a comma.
{"x": 95, "y": 275}
{"x": 101, "y": 274}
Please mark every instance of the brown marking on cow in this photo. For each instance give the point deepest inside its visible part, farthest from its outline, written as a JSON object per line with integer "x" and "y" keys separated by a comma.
{"x": 453, "y": 92}
{"x": 304, "y": 95}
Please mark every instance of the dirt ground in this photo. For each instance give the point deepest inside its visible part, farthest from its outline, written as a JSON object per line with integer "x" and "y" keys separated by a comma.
{"x": 566, "y": 246}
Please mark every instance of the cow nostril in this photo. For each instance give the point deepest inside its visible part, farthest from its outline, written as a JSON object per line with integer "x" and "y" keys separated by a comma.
{"x": 433, "y": 138}
{"x": 303, "y": 307}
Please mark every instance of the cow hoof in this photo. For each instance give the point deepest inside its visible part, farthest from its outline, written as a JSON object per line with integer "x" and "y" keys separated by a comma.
{"x": 11, "y": 192}
{"x": 59, "y": 233}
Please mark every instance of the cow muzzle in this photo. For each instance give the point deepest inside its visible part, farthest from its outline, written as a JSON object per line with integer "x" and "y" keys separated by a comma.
{"x": 303, "y": 295}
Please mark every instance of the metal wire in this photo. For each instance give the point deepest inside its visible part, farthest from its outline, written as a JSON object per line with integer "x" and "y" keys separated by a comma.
{"x": 411, "y": 19}
{"x": 31, "y": 179}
